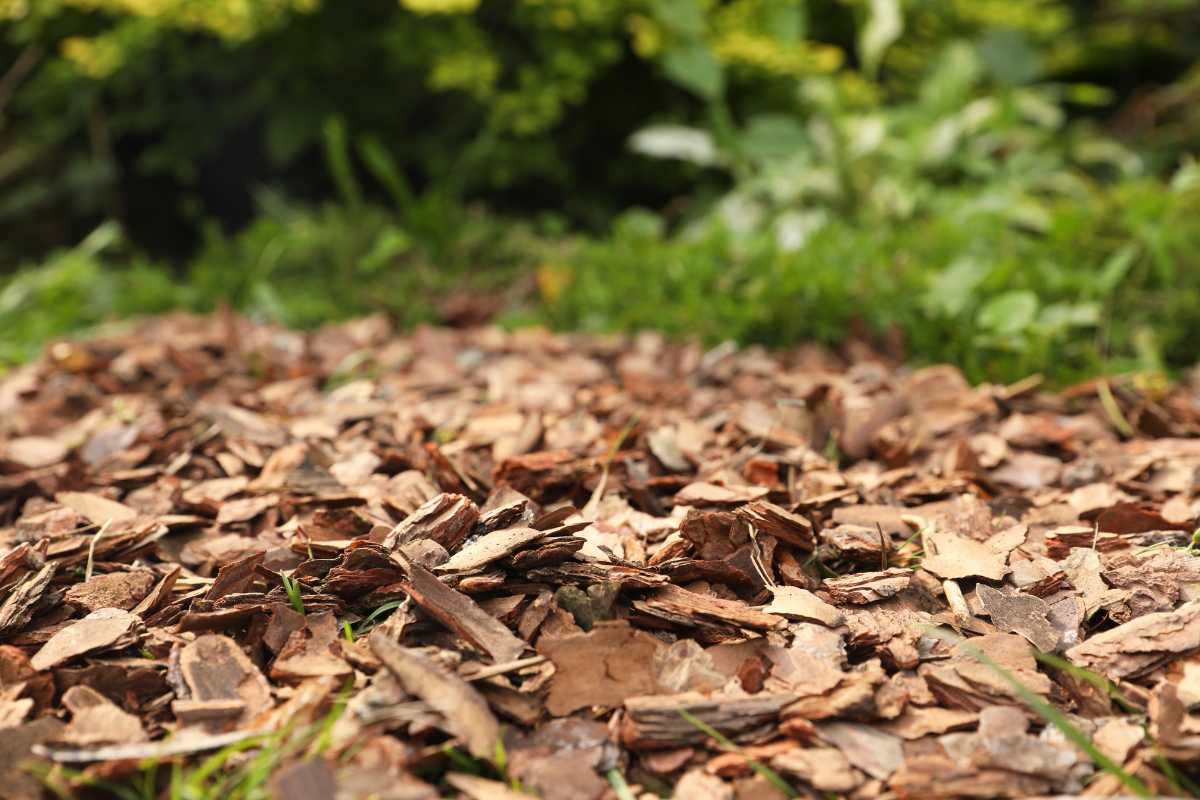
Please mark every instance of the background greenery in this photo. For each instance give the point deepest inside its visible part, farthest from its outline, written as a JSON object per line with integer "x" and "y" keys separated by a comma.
{"x": 1006, "y": 184}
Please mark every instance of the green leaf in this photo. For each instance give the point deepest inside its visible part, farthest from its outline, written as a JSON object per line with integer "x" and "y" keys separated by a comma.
{"x": 620, "y": 787}
{"x": 786, "y": 22}
{"x": 885, "y": 23}
{"x": 948, "y": 84}
{"x": 337, "y": 157}
{"x": 288, "y": 132}
{"x": 682, "y": 17}
{"x": 693, "y": 67}
{"x": 769, "y": 136}
{"x": 1009, "y": 313}
{"x": 1089, "y": 94}
{"x": 952, "y": 289}
{"x": 1010, "y": 56}
{"x": 390, "y": 243}
{"x": 1058, "y": 317}
{"x": 1115, "y": 268}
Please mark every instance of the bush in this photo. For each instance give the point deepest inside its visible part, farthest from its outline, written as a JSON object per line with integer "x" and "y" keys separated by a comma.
{"x": 1108, "y": 285}
{"x": 165, "y": 114}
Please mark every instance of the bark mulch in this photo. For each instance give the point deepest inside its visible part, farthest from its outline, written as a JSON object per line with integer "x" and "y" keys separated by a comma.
{"x": 484, "y": 564}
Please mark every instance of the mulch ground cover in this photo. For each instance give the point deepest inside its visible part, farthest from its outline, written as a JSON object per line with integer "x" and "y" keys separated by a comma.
{"x": 242, "y": 561}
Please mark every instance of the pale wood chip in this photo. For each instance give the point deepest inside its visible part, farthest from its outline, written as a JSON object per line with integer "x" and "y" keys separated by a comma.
{"x": 490, "y": 547}
{"x": 1020, "y": 613}
{"x": 800, "y": 604}
{"x": 950, "y": 556}
{"x": 103, "y": 629}
{"x": 96, "y": 509}
{"x": 1142, "y": 644}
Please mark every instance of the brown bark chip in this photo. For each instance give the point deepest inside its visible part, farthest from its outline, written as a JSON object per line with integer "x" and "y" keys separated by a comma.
{"x": 602, "y": 667}
{"x": 106, "y": 628}
{"x": 568, "y": 554}
{"x": 466, "y": 714}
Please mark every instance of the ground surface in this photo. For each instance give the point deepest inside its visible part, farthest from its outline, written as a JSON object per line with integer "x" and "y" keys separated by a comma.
{"x": 357, "y": 560}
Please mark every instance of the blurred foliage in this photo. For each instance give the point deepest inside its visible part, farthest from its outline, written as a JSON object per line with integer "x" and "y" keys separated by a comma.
{"x": 1107, "y": 284}
{"x": 299, "y": 264}
{"x": 163, "y": 114}
{"x": 986, "y": 174}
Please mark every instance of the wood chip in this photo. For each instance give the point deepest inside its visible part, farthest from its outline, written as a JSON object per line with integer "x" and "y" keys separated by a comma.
{"x": 105, "y": 629}
{"x": 778, "y": 522}
{"x": 826, "y": 769}
{"x": 1020, "y": 613}
{"x": 871, "y": 750}
{"x": 950, "y": 556}
{"x": 800, "y": 604}
{"x": 462, "y": 615}
{"x": 424, "y": 491}
{"x": 446, "y": 519}
{"x": 654, "y": 721}
{"x": 122, "y": 590}
{"x": 96, "y": 509}
{"x": 861, "y": 588}
{"x": 1140, "y": 645}
{"x": 679, "y": 604}
{"x": 214, "y": 668}
{"x": 22, "y": 599}
{"x": 602, "y": 667}
{"x": 95, "y": 720}
{"x": 466, "y": 714}
{"x": 490, "y": 547}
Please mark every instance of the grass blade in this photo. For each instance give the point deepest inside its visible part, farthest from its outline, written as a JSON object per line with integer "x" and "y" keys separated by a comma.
{"x": 617, "y": 781}
{"x": 1059, "y": 720}
{"x": 769, "y": 775}
{"x": 1096, "y": 680}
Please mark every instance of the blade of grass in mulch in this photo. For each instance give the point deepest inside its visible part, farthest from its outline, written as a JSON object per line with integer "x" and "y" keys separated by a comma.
{"x": 217, "y": 777}
{"x": 292, "y": 587}
{"x": 1094, "y": 679}
{"x": 1056, "y": 718}
{"x": 769, "y": 775}
{"x": 617, "y": 781}
{"x": 1181, "y": 784}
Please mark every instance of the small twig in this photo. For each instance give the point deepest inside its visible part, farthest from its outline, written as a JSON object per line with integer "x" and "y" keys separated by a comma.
{"x": 883, "y": 548}
{"x": 1026, "y": 384}
{"x": 18, "y": 72}
{"x": 500, "y": 669}
{"x": 87, "y": 572}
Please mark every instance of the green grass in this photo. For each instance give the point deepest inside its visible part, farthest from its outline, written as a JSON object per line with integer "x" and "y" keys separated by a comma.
{"x": 376, "y": 614}
{"x": 496, "y": 769}
{"x": 292, "y": 587}
{"x": 239, "y": 771}
{"x": 1058, "y": 719}
{"x": 1095, "y": 679}
{"x": 620, "y": 787}
{"x": 964, "y": 286}
{"x": 769, "y": 775}
{"x": 1105, "y": 287}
